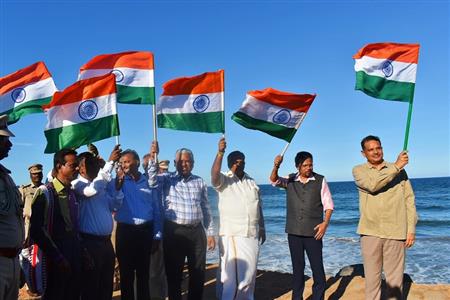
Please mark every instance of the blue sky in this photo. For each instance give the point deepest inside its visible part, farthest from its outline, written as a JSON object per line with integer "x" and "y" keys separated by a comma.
{"x": 295, "y": 46}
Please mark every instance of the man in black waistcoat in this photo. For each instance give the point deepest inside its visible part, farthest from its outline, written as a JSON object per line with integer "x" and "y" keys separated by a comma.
{"x": 308, "y": 197}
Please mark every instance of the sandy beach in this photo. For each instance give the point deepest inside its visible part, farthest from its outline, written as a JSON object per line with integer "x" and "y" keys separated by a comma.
{"x": 348, "y": 284}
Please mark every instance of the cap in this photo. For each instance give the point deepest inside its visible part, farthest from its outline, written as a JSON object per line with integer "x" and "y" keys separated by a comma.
{"x": 164, "y": 164}
{"x": 4, "y": 131}
{"x": 34, "y": 169}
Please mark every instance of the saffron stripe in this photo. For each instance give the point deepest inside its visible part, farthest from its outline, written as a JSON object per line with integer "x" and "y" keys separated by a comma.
{"x": 407, "y": 53}
{"x": 129, "y": 59}
{"x": 35, "y": 72}
{"x": 206, "y": 83}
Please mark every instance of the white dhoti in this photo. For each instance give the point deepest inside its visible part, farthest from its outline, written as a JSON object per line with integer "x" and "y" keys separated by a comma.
{"x": 237, "y": 268}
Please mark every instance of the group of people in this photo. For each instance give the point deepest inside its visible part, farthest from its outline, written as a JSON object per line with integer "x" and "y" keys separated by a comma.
{"x": 164, "y": 221}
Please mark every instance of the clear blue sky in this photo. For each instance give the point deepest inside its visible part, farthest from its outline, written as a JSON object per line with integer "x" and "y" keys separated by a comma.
{"x": 295, "y": 46}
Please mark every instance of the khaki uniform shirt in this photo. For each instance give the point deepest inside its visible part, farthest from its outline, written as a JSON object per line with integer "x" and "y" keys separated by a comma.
{"x": 386, "y": 201}
{"x": 11, "y": 222}
{"x": 27, "y": 193}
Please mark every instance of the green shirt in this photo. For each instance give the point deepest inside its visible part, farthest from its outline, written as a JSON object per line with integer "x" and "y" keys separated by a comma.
{"x": 386, "y": 201}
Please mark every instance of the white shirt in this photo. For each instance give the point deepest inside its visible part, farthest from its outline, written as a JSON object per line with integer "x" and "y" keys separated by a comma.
{"x": 239, "y": 205}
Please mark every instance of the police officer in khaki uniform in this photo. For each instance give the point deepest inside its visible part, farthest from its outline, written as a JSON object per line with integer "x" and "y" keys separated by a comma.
{"x": 27, "y": 192}
{"x": 11, "y": 222}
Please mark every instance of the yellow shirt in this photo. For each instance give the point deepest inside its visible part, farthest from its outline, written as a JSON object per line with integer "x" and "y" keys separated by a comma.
{"x": 386, "y": 201}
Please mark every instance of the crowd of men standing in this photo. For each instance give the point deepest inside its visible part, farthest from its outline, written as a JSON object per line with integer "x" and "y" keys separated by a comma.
{"x": 164, "y": 220}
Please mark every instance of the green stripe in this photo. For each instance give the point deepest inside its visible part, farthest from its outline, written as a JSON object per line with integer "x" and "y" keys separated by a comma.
{"x": 284, "y": 133}
{"x": 135, "y": 95}
{"x": 203, "y": 122}
{"x": 29, "y": 107}
{"x": 384, "y": 89}
{"x": 74, "y": 136}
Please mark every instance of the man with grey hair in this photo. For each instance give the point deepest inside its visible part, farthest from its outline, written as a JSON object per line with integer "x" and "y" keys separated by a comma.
{"x": 187, "y": 216}
{"x": 11, "y": 222}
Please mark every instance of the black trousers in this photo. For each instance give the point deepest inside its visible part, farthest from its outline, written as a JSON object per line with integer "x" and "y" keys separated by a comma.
{"x": 297, "y": 246}
{"x": 65, "y": 285}
{"x": 98, "y": 281}
{"x": 133, "y": 247}
{"x": 181, "y": 242}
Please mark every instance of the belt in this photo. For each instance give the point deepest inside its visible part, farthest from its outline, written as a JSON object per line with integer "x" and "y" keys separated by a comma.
{"x": 94, "y": 237}
{"x": 9, "y": 252}
{"x": 172, "y": 223}
{"x": 147, "y": 224}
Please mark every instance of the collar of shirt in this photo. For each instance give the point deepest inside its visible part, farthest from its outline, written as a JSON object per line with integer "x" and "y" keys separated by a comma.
{"x": 231, "y": 174}
{"x": 383, "y": 165}
{"x": 297, "y": 178}
{"x": 81, "y": 178}
{"x": 58, "y": 185}
{"x": 141, "y": 177}
{"x": 181, "y": 178}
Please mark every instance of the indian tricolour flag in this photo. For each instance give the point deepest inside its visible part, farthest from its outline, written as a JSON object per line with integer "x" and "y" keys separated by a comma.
{"x": 83, "y": 113}
{"x": 25, "y": 91}
{"x": 387, "y": 70}
{"x": 134, "y": 75}
{"x": 193, "y": 103}
{"x": 274, "y": 112}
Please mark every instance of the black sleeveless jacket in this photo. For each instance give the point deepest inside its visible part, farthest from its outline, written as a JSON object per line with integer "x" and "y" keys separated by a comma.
{"x": 304, "y": 206}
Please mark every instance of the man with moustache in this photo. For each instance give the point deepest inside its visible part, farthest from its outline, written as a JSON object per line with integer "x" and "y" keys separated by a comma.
{"x": 308, "y": 200}
{"x": 388, "y": 218}
{"x": 241, "y": 226}
{"x": 11, "y": 222}
{"x": 60, "y": 241}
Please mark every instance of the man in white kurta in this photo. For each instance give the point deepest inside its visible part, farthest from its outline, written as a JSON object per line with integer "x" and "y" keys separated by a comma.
{"x": 241, "y": 228}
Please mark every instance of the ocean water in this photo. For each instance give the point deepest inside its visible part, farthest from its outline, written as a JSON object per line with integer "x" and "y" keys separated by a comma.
{"x": 428, "y": 261}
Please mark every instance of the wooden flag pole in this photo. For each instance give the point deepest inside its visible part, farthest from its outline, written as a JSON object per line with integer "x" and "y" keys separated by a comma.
{"x": 296, "y": 128}
{"x": 408, "y": 124}
{"x": 285, "y": 149}
{"x": 155, "y": 132}
{"x": 117, "y": 112}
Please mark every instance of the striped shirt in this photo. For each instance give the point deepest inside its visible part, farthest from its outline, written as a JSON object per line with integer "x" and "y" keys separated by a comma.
{"x": 186, "y": 200}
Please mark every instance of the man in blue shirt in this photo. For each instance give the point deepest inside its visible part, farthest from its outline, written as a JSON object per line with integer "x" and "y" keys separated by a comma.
{"x": 138, "y": 225}
{"x": 96, "y": 223}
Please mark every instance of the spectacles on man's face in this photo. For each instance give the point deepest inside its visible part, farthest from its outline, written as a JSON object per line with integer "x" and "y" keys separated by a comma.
{"x": 71, "y": 166}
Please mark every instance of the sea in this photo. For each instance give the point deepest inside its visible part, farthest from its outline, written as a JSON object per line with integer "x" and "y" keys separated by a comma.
{"x": 428, "y": 261}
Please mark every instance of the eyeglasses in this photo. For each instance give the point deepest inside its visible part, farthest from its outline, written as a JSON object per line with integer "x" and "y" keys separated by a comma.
{"x": 71, "y": 166}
